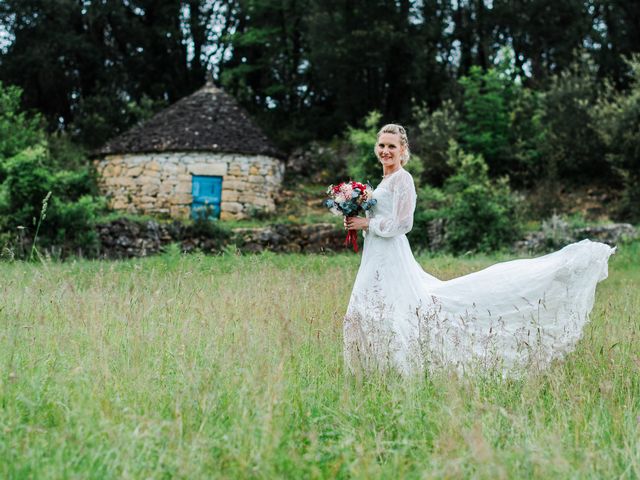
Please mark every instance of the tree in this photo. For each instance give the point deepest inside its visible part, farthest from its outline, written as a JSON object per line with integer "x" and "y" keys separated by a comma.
{"x": 485, "y": 126}
{"x": 94, "y": 68}
{"x": 18, "y": 130}
{"x": 617, "y": 121}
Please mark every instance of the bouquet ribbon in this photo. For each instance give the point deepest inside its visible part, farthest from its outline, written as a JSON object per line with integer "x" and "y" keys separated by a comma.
{"x": 352, "y": 238}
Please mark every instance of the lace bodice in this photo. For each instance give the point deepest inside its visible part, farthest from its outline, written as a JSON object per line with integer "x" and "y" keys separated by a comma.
{"x": 393, "y": 214}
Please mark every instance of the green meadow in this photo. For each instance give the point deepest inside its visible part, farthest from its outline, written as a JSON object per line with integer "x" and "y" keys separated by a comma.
{"x": 231, "y": 367}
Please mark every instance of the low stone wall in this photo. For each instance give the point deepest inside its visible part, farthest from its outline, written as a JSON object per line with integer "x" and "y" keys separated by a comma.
{"x": 553, "y": 236}
{"x": 317, "y": 238}
{"x": 160, "y": 183}
{"x": 125, "y": 238}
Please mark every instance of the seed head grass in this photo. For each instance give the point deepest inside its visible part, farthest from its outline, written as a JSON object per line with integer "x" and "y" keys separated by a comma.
{"x": 231, "y": 367}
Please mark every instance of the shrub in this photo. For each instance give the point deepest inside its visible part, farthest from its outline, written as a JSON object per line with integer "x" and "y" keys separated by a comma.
{"x": 209, "y": 229}
{"x": 480, "y": 214}
{"x": 617, "y": 121}
{"x": 573, "y": 149}
{"x": 528, "y": 138}
{"x": 17, "y": 129}
{"x": 485, "y": 126}
{"x": 72, "y": 209}
{"x": 318, "y": 162}
{"x": 434, "y": 132}
{"x": 362, "y": 162}
{"x": 430, "y": 207}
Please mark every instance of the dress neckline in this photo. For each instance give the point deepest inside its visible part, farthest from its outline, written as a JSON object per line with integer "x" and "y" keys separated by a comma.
{"x": 384, "y": 177}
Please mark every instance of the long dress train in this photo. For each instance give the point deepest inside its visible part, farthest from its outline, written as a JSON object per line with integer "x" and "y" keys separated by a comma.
{"x": 509, "y": 316}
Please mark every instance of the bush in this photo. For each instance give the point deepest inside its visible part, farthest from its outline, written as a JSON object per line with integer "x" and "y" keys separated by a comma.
{"x": 573, "y": 149}
{"x": 481, "y": 215}
{"x": 71, "y": 211}
{"x": 362, "y": 162}
{"x": 209, "y": 229}
{"x": 318, "y": 162}
{"x": 17, "y": 129}
{"x": 617, "y": 121}
{"x": 528, "y": 136}
{"x": 485, "y": 126}
{"x": 435, "y": 131}
{"x": 430, "y": 207}
{"x": 478, "y": 214}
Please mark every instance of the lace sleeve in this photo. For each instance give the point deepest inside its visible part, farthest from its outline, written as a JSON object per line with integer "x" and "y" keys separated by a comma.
{"x": 404, "y": 204}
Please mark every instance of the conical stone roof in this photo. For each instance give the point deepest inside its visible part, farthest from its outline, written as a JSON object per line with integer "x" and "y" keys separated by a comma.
{"x": 208, "y": 120}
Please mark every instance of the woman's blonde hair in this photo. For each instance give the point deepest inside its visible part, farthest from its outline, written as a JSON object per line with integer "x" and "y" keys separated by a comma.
{"x": 404, "y": 140}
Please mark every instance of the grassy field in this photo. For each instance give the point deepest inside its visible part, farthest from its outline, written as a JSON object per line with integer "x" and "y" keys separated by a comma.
{"x": 231, "y": 367}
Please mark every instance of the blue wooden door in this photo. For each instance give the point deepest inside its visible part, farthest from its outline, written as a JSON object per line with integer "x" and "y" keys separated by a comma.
{"x": 207, "y": 193}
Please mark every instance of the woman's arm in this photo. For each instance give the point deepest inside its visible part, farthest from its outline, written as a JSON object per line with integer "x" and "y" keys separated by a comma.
{"x": 404, "y": 204}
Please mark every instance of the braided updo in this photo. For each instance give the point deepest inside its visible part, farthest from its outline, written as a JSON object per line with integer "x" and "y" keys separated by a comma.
{"x": 404, "y": 140}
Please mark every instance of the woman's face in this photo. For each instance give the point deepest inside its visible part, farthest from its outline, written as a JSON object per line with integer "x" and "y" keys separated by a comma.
{"x": 389, "y": 150}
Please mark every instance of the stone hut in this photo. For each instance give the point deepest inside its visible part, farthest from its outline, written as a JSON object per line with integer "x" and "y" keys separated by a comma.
{"x": 201, "y": 154}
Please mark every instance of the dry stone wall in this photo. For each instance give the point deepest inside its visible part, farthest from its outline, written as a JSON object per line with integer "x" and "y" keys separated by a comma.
{"x": 125, "y": 238}
{"x": 160, "y": 183}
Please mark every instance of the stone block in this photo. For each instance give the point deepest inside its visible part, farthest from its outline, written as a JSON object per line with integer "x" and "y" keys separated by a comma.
{"x": 230, "y": 196}
{"x": 180, "y": 212}
{"x": 137, "y": 159}
{"x": 145, "y": 179}
{"x": 233, "y": 185}
{"x": 118, "y": 204}
{"x": 126, "y": 182}
{"x": 181, "y": 199}
{"x": 184, "y": 178}
{"x": 262, "y": 202}
{"x": 153, "y": 166}
{"x": 114, "y": 159}
{"x": 254, "y": 170}
{"x": 150, "y": 189}
{"x": 173, "y": 169}
{"x": 106, "y": 170}
{"x": 183, "y": 187}
{"x": 235, "y": 170}
{"x": 212, "y": 169}
{"x": 134, "y": 171}
{"x": 231, "y": 207}
{"x": 230, "y": 216}
{"x": 166, "y": 187}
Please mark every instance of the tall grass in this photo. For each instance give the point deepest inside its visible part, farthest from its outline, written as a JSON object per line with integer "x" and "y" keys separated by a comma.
{"x": 231, "y": 367}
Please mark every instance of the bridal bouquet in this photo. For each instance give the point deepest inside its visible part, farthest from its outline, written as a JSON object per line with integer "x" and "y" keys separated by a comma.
{"x": 349, "y": 199}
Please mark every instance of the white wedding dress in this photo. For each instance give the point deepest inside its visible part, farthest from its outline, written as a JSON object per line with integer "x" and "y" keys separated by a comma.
{"x": 511, "y": 316}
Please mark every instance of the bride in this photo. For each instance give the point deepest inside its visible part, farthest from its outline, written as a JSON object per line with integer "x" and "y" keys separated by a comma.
{"x": 510, "y": 316}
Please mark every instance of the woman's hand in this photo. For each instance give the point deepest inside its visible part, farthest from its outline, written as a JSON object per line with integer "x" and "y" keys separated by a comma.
{"x": 356, "y": 223}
